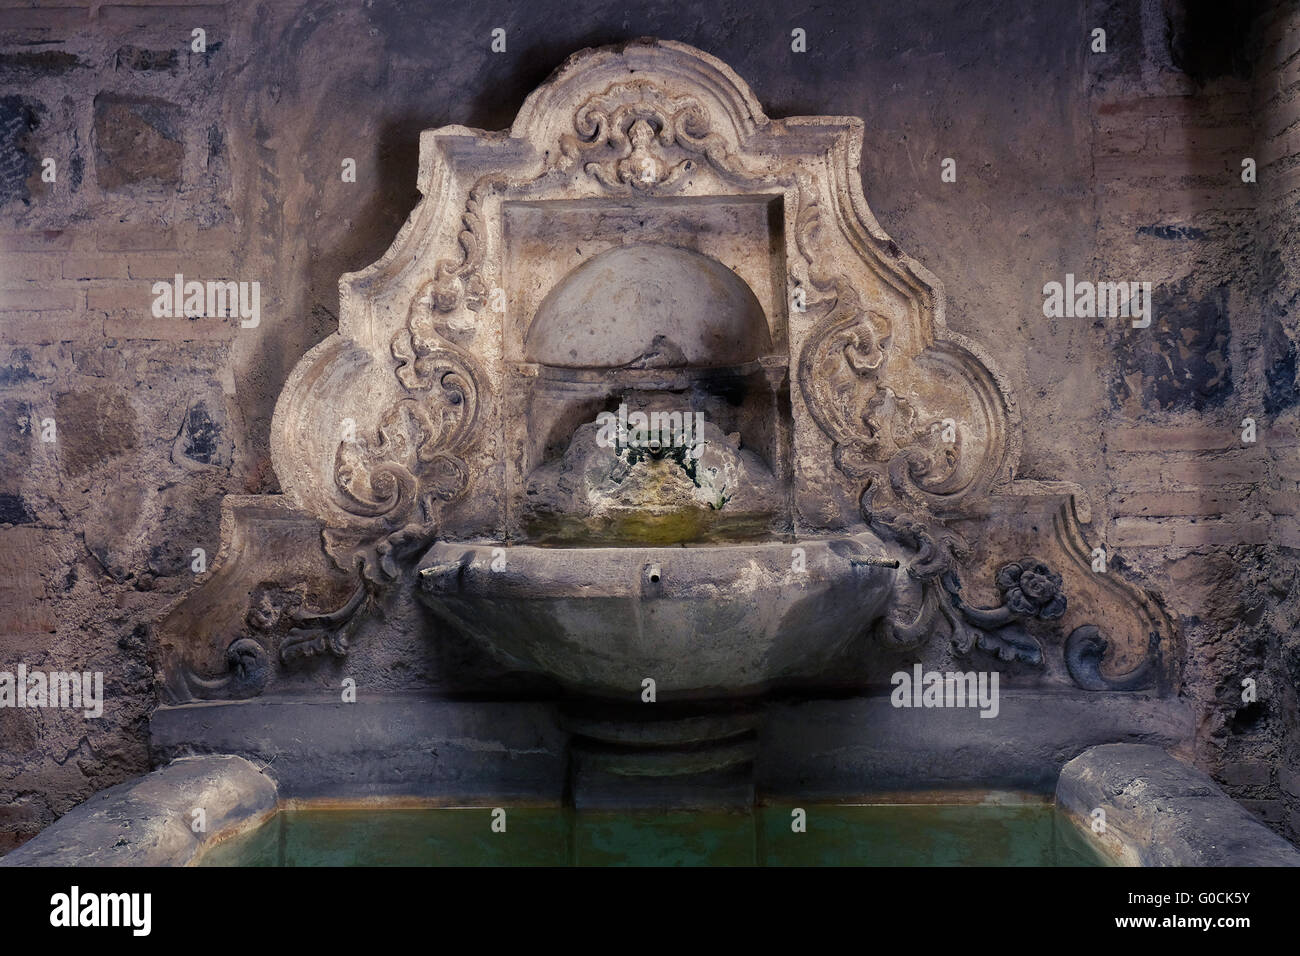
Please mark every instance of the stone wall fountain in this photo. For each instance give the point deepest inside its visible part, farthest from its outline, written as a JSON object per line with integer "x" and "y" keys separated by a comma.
{"x": 643, "y": 422}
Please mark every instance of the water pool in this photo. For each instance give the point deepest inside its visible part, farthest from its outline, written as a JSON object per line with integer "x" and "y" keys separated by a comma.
{"x": 835, "y": 835}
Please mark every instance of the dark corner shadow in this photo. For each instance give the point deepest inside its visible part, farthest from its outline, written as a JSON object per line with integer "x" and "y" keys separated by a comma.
{"x": 497, "y": 105}
{"x": 395, "y": 195}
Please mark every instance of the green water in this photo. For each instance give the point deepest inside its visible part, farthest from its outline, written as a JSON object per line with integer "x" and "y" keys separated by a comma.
{"x": 884, "y": 835}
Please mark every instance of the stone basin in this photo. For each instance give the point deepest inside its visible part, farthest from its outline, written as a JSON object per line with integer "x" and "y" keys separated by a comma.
{"x": 704, "y": 622}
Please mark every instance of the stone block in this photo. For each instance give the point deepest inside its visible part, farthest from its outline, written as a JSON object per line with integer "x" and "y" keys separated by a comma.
{"x": 1162, "y": 812}
{"x": 138, "y": 141}
{"x": 93, "y": 428}
{"x": 147, "y": 821}
{"x": 1246, "y": 773}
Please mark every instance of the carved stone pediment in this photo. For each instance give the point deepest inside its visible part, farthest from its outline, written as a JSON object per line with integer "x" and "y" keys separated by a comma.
{"x": 429, "y": 336}
{"x": 428, "y": 417}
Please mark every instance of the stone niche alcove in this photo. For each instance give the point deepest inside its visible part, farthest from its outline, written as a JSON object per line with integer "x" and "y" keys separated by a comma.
{"x": 645, "y": 326}
{"x": 645, "y": 233}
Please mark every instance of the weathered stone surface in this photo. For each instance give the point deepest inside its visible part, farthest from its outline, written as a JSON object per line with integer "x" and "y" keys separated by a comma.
{"x": 651, "y": 305}
{"x": 93, "y": 428}
{"x": 20, "y": 117}
{"x": 14, "y": 510}
{"x": 1247, "y": 773}
{"x": 149, "y": 821}
{"x": 31, "y": 64}
{"x": 706, "y": 621}
{"x": 1290, "y": 781}
{"x": 137, "y": 140}
{"x": 405, "y": 744}
{"x": 1187, "y": 364}
{"x": 202, "y": 439}
{"x": 394, "y": 745}
{"x": 24, "y": 608}
{"x": 829, "y": 749}
{"x": 1161, "y": 812}
{"x": 146, "y": 61}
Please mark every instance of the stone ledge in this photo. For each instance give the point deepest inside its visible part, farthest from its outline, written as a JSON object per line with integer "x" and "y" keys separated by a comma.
{"x": 147, "y": 821}
{"x": 409, "y": 745}
{"x": 402, "y": 744}
{"x": 833, "y": 749}
{"x": 1161, "y": 812}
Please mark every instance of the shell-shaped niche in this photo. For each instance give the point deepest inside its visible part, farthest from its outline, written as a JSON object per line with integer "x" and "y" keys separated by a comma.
{"x": 649, "y": 305}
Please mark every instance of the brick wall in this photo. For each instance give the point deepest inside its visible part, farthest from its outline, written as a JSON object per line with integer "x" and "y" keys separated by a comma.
{"x": 1207, "y": 518}
{"x": 1273, "y": 365}
{"x": 97, "y": 526}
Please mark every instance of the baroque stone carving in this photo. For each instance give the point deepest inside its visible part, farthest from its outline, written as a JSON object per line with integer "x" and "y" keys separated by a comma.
{"x": 277, "y": 624}
{"x": 424, "y": 425}
{"x": 626, "y": 137}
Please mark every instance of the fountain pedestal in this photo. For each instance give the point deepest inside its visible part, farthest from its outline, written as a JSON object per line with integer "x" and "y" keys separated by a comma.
{"x": 658, "y": 755}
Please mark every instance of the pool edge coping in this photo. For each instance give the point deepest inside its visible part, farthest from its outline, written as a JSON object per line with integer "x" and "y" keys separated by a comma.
{"x": 155, "y": 819}
{"x": 1144, "y": 807}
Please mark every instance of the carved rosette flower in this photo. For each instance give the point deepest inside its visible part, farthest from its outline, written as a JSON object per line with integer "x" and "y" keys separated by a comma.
{"x": 1031, "y": 589}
